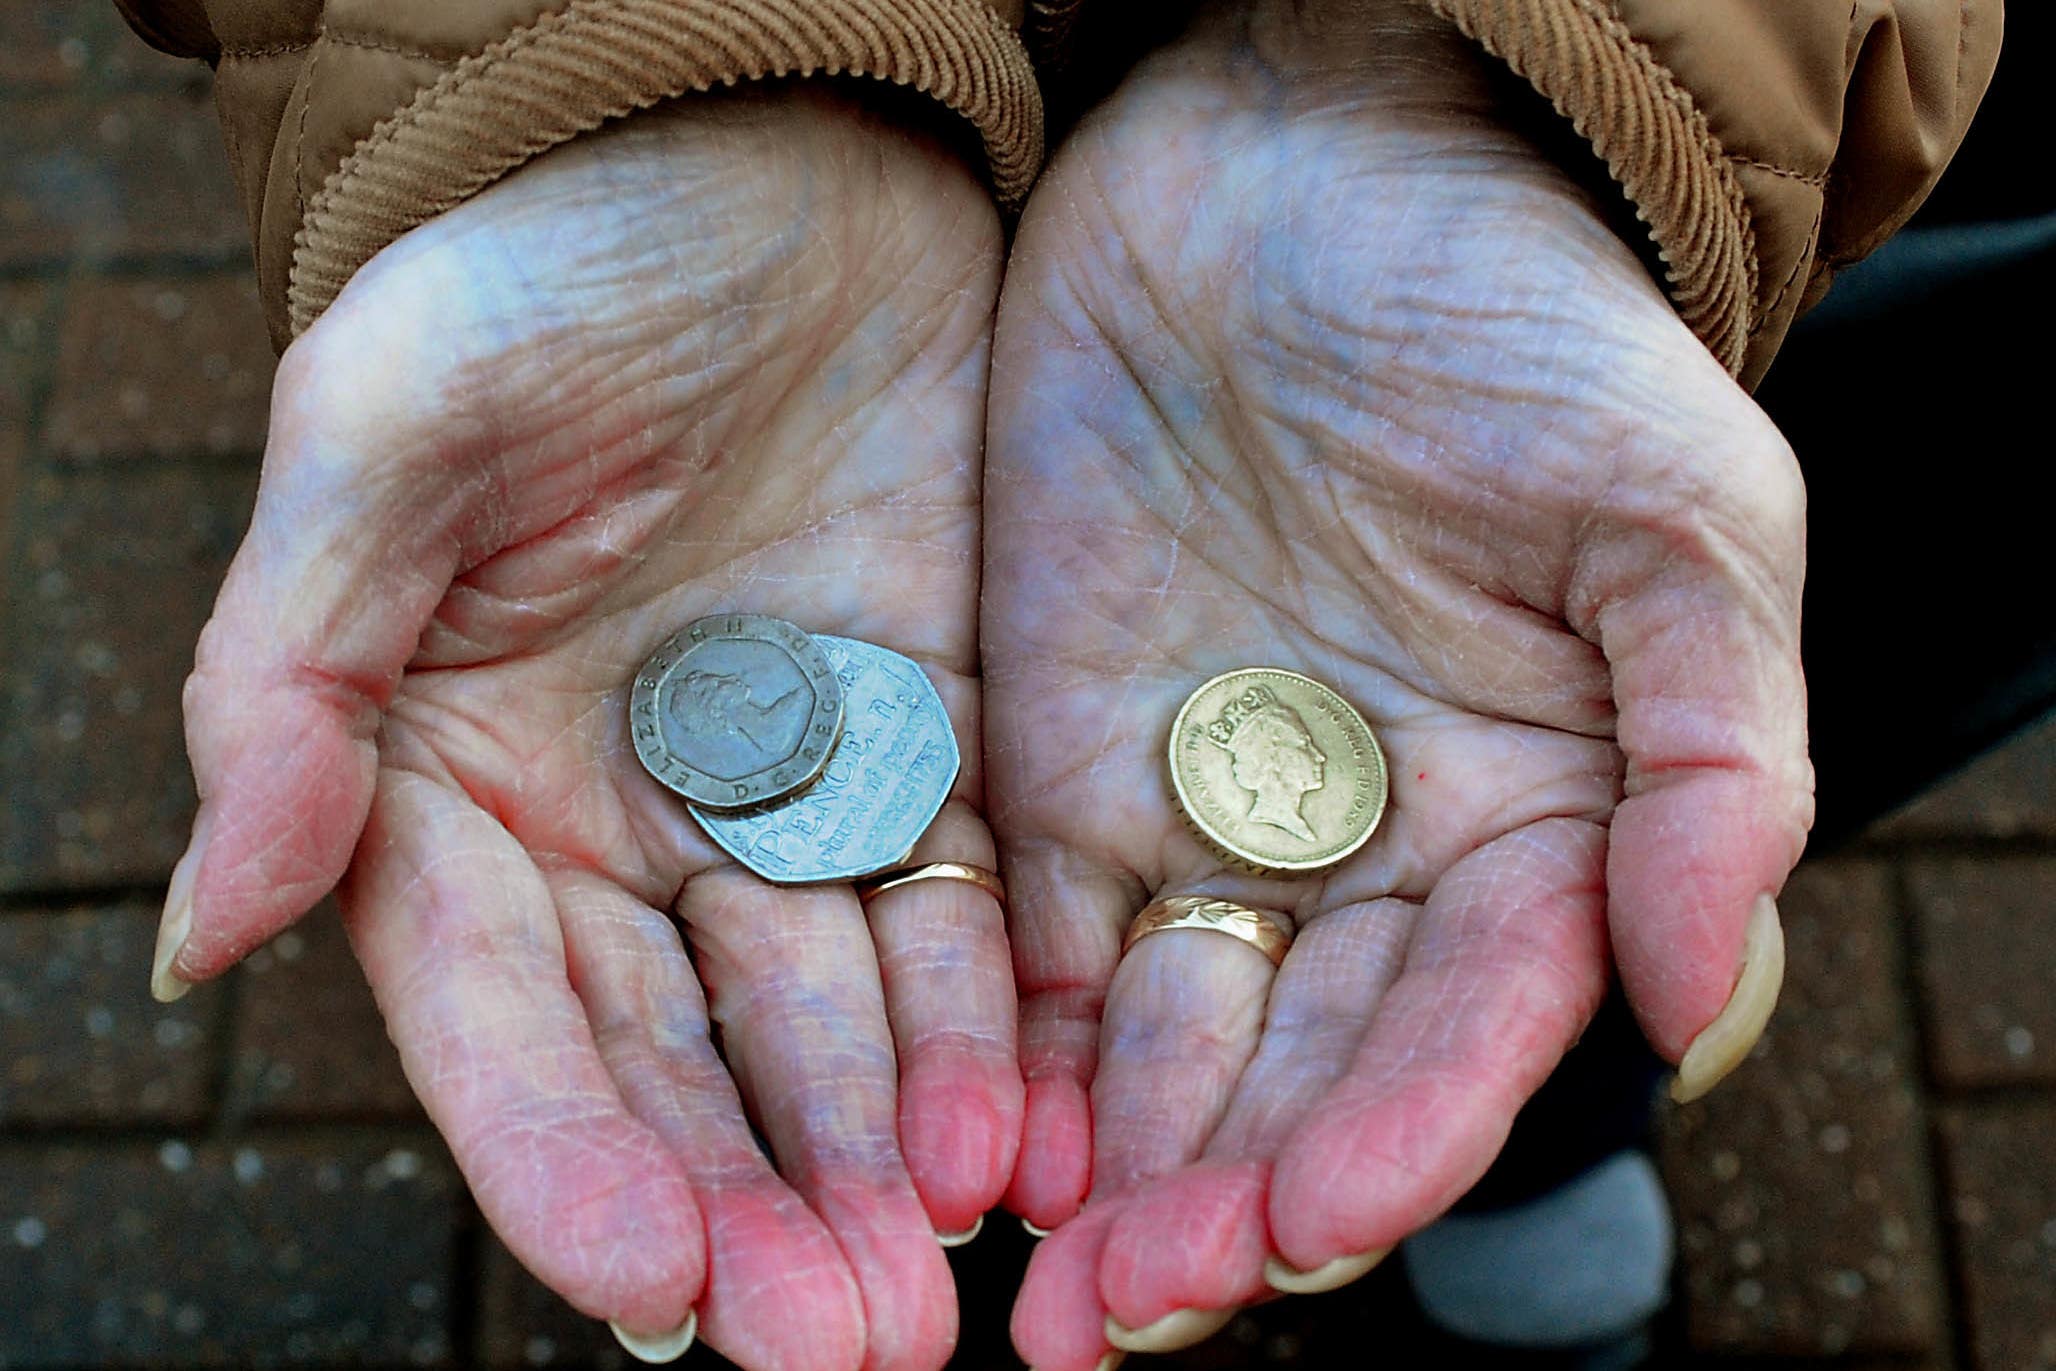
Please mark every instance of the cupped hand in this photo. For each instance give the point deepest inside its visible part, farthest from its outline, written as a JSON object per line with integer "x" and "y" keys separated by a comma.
{"x": 727, "y": 356}
{"x": 1306, "y": 359}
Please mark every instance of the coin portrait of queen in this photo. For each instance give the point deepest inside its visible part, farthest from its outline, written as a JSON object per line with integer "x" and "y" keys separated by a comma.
{"x": 712, "y": 705}
{"x": 1272, "y": 755}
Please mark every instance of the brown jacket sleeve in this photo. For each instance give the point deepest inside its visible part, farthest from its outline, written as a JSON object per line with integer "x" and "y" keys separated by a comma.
{"x": 1766, "y": 143}
{"x": 349, "y": 122}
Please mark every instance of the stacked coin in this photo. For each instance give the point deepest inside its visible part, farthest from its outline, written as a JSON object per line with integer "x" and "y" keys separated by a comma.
{"x": 808, "y": 758}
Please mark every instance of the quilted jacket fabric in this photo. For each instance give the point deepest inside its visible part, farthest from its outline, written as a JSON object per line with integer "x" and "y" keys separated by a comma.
{"x": 1765, "y": 143}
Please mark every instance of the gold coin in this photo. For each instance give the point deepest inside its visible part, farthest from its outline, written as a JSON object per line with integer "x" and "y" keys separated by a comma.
{"x": 1277, "y": 770}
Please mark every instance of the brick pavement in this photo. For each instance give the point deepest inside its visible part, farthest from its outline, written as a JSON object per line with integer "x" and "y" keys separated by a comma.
{"x": 244, "y": 1179}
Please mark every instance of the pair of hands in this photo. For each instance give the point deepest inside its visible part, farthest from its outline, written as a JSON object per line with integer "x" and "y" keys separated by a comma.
{"x": 1302, "y": 358}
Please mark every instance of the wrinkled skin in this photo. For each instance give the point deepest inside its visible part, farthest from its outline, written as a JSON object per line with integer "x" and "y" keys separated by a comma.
{"x": 1306, "y": 359}
{"x": 730, "y": 356}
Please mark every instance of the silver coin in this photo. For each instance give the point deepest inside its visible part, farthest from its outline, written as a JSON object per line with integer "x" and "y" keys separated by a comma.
{"x": 736, "y": 710}
{"x": 887, "y": 780}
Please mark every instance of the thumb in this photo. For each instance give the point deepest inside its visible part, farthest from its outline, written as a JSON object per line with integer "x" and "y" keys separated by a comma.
{"x": 346, "y": 558}
{"x": 1701, "y": 629}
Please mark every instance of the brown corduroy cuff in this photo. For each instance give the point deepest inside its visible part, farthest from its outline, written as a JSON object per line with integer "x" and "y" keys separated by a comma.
{"x": 600, "y": 59}
{"x": 350, "y": 122}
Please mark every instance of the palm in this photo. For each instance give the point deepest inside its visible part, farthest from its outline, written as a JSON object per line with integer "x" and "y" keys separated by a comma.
{"x": 1318, "y": 369}
{"x": 729, "y": 358}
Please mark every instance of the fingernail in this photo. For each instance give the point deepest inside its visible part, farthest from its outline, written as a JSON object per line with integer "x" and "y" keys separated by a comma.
{"x": 1332, "y": 1275}
{"x": 1035, "y": 1232}
{"x": 165, "y": 984}
{"x": 662, "y": 1348}
{"x": 1722, "y": 1044}
{"x": 1178, "y": 1329}
{"x": 959, "y": 1239}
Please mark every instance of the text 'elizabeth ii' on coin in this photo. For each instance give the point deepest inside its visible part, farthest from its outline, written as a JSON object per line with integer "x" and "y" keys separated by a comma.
{"x": 1277, "y": 771}
{"x": 884, "y": 785}
{"x": 736, "y": 710}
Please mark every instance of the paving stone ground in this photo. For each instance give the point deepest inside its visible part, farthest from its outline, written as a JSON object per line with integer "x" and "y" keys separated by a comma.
{"x": 2002, "y": 1188}
{"x": 135, "y": 1253}
{"x": 342, "y": 1067}
{"x": 1776, "y": 1261}
{"x": 110, "y": 574}
{"x": 160, "y": 365}
{"x": 81, "y": 1040}
{"x": 244, "y": 1178}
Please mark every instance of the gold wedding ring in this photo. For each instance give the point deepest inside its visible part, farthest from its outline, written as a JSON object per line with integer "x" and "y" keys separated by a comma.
{"x": 872, "y": 887}
{"x": 1266, "y": 934}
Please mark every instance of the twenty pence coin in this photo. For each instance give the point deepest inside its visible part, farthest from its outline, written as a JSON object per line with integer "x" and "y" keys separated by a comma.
{"x": 736, "y": 710}
{"x": 885, "y": 784}
{"x": 1276, "y": 770}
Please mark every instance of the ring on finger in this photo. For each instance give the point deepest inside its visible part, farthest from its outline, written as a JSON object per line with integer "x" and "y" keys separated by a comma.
{"x": 1269, "y": 934}
{"x": 871, "y": 887}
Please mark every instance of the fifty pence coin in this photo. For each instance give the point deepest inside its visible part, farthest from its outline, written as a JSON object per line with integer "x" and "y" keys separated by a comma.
{"x": 736, "y": 710}
{"x": 887, "y": 780}
{"x": 1276, "y": 770}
